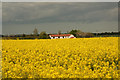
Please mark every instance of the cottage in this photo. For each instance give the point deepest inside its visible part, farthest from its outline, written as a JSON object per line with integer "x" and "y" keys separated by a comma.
{"x": 61, "y": 36}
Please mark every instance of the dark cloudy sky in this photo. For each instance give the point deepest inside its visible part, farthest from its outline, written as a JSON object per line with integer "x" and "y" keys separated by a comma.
{"x": 0, "y": 18}
{"x": 23, "y": 17}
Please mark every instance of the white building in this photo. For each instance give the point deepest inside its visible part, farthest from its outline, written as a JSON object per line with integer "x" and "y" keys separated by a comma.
{"x": 61, "y": 36}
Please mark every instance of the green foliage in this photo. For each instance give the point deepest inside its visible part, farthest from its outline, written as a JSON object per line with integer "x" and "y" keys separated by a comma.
{"x": 35, "y": 31}
{"x": 79, "y": 33}
{"x": 74, "y": 32}
{"x": 43, "y": 35}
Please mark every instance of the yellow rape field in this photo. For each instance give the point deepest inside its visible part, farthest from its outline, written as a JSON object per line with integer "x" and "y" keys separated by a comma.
{"x": 60, "y": 58}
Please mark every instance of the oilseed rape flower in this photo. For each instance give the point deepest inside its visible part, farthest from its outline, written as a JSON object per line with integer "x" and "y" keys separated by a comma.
{"x": 61, "y": 58}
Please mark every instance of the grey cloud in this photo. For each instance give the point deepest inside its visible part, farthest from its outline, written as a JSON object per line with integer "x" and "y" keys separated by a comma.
{"x": 0, "y": 18}
{"x": 58, "y": 12}
{"x": 53, "y": 16}
{"x": 64, "y": 27}
{"x": 60, "y": 0}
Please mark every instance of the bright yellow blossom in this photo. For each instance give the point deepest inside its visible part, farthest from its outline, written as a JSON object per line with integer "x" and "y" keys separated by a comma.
{"x": 60, "y": 58}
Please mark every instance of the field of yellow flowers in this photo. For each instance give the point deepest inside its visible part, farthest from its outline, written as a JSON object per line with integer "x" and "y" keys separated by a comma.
{"x": 60, "y": 58}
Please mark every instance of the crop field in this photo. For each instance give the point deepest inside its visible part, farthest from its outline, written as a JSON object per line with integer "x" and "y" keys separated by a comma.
{"x": 61, "y": 58}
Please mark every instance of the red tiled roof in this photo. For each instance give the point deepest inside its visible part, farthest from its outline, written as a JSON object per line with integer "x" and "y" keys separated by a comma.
{"x": 57, "y": 35}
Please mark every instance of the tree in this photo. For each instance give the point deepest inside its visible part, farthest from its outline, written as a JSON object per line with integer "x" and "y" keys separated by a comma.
{"x": 23, "y": 35}
{"x": 59, "y": 32}
{"x": 89, "y": 35}
{"x": 43, "y": 35}
{"x": 75, "y": 32}
{"x": 82, "y": 34}
{"x": 35, "y": 32}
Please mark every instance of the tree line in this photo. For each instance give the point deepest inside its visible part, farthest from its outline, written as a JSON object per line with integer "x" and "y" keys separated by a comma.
{"x": 44, "y": 35}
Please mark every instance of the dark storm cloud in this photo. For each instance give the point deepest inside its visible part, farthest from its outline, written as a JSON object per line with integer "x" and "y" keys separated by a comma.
{"x": 0, "y": 18}
{"x": 23, "y": 17}
{"x": 31, "y": 13}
